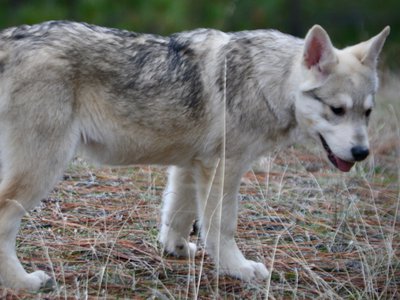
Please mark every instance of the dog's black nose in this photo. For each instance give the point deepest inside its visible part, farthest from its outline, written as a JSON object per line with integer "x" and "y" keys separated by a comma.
{"x": 359, "y": 152}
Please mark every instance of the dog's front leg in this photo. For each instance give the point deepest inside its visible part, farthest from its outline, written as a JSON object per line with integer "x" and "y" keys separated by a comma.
{"x": 178, "y": 213}
{"x": 217, "y": 188}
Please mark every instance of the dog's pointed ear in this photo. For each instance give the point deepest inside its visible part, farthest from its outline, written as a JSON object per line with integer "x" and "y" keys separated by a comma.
{"x": 318, "y": 50}
{"x": 368, "y": 52}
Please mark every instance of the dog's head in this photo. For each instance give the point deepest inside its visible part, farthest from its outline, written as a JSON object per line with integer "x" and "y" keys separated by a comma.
{"x": 336, "y": 95}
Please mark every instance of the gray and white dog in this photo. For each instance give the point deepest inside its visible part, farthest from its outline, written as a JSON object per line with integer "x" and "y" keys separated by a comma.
{"x": 205, "y": 102}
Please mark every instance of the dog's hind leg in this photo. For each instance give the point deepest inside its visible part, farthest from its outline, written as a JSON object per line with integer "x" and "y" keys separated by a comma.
{"x": 12, "y": 274}
{"x": 178, "y": 213}
{"x": 218, "y": 184}
{"x": 26, "y": 181}
{"x": 38, "y": 139}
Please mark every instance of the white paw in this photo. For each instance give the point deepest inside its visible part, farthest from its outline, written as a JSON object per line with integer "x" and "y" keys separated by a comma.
{"x": 32, "y": 282}
{"x": 183, "y": 249}
{"x": 176, "y": 245}
{"x": 246, "y": 270}
{"x": 39, "y": 280}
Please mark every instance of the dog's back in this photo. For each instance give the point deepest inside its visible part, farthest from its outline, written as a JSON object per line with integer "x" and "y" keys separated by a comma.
{"x": 126, "y": 89}
{"x": 164, "y": 89}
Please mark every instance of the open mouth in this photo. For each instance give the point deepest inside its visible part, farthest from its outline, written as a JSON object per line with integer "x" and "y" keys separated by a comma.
{"x": 339, "y": 163}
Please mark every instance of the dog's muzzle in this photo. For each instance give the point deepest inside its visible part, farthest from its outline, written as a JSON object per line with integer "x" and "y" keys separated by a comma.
{"x": 341, "y": 164}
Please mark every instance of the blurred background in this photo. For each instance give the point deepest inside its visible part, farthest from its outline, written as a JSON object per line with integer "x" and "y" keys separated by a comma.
{"x": 346, "y": 21}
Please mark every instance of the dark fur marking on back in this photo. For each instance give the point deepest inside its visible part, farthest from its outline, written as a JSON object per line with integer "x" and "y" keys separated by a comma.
{"x": 185, "y": 70}
{"x": 137, "y": 67}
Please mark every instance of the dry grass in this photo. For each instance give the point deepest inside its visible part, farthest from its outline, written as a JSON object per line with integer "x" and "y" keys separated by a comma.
{"x": 324, "y": 234}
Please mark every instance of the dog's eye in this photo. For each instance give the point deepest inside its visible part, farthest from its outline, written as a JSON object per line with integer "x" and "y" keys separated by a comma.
{"x": 339, "y": 111}
{"x": 368, "y": 112}
{"x": 313, "y": 95}
{"x": 316, "y": 97}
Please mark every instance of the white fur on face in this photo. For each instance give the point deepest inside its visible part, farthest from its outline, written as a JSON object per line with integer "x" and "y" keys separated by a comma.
{"x": 345, "y": 101}
{"x": 369, "y": 102}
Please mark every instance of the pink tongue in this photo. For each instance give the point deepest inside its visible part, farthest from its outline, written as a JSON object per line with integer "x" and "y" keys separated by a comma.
{"x": 343, "y": 165}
